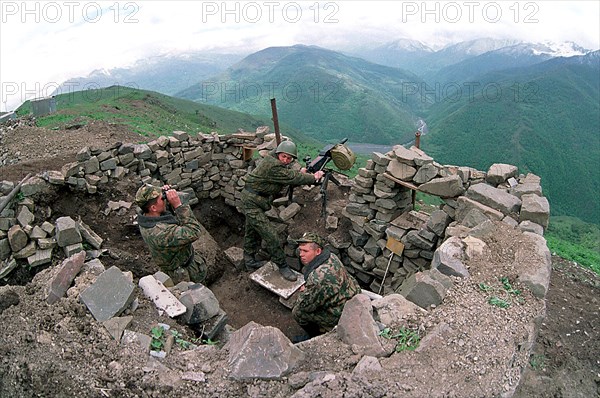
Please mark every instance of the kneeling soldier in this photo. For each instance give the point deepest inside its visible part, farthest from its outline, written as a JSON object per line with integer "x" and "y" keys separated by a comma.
{"x": 170, "y": 236}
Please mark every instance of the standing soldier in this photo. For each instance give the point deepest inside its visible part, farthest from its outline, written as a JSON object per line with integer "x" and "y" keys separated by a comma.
{"x": 170, "y": 236}
{"x": 328, "y": 287}
{"x": 267, "y": 179}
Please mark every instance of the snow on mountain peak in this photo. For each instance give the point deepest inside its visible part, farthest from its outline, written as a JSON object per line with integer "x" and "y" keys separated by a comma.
{"x": 564, "y": 49}
{"x": 407, "y": 45}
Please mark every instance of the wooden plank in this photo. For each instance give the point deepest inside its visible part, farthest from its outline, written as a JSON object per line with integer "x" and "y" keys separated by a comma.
{"x": 403, "y": 183}
{"x": 244, "y": 136}
{"x": 241, "y": 136}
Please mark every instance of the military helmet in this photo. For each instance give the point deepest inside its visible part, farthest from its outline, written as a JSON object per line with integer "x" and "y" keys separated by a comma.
{"x": 287, "y": 147}
{"x": 146, "y": 193}
{"x": 311, "y": 237}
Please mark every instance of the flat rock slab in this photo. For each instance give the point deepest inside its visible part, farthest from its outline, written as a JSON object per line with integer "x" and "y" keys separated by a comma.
{"x": 109, "y": 295}
{"x": 291, "y": 301}
{"x": 268, "y": 276}
{"x": 162, "y": 298}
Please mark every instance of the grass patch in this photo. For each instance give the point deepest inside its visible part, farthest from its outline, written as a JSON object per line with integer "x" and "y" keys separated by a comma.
{"x": 537, "y": 362}
{"x": 406, "y": 339}
{"x": 159, "y": 339}
{"x": 145, "y": 112}
{"x": 505, "y": 289}
{"x": 575, "y": 240}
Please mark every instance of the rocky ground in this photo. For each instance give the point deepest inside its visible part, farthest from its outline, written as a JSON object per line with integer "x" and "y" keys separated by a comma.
{"x": 61, "y": 351}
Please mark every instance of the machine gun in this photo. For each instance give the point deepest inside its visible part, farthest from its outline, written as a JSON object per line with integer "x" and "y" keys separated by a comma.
{"x": 342, "y": 157}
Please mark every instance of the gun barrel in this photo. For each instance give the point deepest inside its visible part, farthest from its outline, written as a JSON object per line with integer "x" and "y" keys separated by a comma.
{"x": 344, "y": 140}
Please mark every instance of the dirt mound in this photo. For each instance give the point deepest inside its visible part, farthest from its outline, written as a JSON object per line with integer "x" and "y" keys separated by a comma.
{"x": 30, "y": 149}
{"x": 61, "y": 351}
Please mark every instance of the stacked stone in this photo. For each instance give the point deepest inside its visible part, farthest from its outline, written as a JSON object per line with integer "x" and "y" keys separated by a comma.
{"x": 22, "y": 238}
{"x": 380, "y": 209}
{"x": 207, "y": 165}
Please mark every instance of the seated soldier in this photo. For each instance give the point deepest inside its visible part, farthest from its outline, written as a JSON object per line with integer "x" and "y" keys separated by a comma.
{"x": 170, "y": 236}
{"x": 328, "y": 286}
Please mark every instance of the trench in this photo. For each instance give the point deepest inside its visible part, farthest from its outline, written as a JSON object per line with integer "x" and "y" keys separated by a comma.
{"x": 242, "y": 299}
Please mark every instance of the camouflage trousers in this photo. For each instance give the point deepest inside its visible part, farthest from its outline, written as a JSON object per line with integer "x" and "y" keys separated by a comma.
{"x": 194, "y": 272}
{"x": 258, "y": 228}
{"x": 321, "y": 321}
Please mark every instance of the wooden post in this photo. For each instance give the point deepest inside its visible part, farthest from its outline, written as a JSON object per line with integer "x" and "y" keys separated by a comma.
{"x": 13, "y": 193}
{"x": 278, "y": 139}
{"x": 275, "y": 120}
{"x": 418, "y": 145}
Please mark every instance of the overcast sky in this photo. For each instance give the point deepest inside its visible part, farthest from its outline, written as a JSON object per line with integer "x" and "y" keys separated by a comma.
{"x": 43, "y": 43}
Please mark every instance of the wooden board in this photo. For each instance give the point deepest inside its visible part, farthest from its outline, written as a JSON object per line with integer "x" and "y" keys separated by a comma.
{"x": 395, "y": 246}
{"x": 403, "y": 183}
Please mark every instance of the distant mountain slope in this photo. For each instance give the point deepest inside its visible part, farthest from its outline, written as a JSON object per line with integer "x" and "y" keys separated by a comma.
{"x": 518, "y": 55}
{"x": 423, "y": 61}
{"x": 504, "y": 58}
{"x": 543, "y": 118}
{"x": 323, "y": 93}
{"x": 402, "y": 53}
{"x": 465, "y": 60}
{"x": 145, "y": 112}
{"x": 166, "y": 74}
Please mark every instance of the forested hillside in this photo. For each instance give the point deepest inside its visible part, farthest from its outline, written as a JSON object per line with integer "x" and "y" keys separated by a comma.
{"x": 323, "y": 93}
{"x": 543, "y": 119}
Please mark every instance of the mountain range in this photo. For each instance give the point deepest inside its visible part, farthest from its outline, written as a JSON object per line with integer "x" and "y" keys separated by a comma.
{"x": 544, "y": 118}
{"x": 166, "y": 74}
{"x": 485, "y": 101}
{"x": 319, "y": 91}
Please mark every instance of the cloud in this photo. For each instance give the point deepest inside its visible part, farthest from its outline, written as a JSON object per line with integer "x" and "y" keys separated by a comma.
{"x": 43, "y": 42}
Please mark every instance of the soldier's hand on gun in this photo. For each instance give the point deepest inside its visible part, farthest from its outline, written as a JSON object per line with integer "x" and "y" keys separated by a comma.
{"x": 172, "y": 196}
{"x": 318, "y": 175}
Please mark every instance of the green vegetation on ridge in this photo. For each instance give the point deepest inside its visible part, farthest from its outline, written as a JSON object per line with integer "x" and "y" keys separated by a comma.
{"x": 575, "y": 240}
{"x": 145, "y": 112}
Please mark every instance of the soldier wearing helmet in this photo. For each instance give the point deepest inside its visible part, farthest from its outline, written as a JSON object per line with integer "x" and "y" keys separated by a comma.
{"x": 268, "y": 178}
{"x": 327, "y": 289}
{"x": 170, "y": 235}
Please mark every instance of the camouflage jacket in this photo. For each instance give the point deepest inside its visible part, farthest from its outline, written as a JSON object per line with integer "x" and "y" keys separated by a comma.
{"x": 270, "y": 176}
{"x": 170, "y": 237}
{"x": 328, "y": 287}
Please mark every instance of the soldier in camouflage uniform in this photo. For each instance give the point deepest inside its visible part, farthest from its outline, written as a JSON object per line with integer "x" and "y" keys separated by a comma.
{"x": 170, "y": 236}
{"x": 328, "y": 286}
{"x": 267, "y": 179}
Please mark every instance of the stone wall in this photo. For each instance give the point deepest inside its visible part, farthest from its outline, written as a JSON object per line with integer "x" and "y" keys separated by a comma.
{"x": 208, "y": 165}
{"x": 379, "y": 208}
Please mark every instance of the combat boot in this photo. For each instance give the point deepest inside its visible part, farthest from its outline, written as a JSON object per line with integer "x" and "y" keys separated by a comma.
{"x": 251, "y": 263}
{"x": 287, "y": 273}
